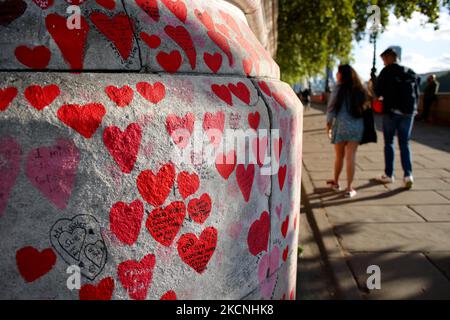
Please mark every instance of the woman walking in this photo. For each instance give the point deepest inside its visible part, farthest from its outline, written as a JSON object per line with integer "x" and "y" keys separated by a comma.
{"x": 345, "y": 124}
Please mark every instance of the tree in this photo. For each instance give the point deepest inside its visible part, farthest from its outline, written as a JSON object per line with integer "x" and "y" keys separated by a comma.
{"x": 314, "y": 34}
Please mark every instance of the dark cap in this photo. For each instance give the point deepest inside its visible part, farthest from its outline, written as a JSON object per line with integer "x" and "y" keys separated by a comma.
{"x": 389, "y": 51}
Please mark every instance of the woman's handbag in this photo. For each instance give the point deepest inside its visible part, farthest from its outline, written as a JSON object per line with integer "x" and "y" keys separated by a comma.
{"x": 377, "y": 106}
{"x": 370, "y": 134}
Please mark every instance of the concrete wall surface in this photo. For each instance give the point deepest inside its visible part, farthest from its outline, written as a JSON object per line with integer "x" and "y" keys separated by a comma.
{"x": 150, "y": 176}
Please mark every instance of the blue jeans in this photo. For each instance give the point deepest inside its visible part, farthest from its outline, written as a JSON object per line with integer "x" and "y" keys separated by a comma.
{"x": 402, "y": 126}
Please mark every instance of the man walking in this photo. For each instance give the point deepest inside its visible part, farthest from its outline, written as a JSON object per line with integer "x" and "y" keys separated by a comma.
{"x": 397, "y": 86}
{"x": 429, "y": 96}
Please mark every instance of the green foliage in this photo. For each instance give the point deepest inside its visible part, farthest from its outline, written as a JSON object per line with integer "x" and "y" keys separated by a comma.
{"x": 314, "y": 34}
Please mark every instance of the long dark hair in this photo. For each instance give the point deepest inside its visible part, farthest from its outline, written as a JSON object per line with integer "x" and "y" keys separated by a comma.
{"x": 351, "y": 88}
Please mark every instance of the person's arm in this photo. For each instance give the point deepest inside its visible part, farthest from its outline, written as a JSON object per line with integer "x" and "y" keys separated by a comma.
{"x": 380, "y": 83}
{"x": 331, "y": 108}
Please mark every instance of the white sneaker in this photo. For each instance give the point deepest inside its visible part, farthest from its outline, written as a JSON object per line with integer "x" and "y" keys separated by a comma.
{"x": 385, "y": 179}
{"x": 409, "y": 181}
{"x": 350, "y": 193}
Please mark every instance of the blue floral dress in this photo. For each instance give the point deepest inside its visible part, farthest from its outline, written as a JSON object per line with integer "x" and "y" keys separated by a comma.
{"x": 345, "y": 126}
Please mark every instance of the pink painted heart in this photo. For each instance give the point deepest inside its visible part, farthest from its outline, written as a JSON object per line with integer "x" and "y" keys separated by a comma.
{"x": 234, "y": 230}
{"x": 178, "y": 8}
{"x": 266, "y": 272}
{"x": 180, "y": 129}
{"x": 52, "y": 170}
{"x": 279, "y": 210}
{"x": 44, "y": 4}
{"x": 213, "y": 125}
{"x": 263, "y": 182}
{"x": 10, "y": 153}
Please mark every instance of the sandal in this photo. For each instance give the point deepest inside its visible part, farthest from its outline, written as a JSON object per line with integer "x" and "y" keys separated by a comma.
{"x": 333, "y": 185}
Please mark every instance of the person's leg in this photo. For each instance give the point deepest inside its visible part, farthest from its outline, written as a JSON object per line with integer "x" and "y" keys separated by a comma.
{"x": 426, "y": 109}
{"x": 389, "y": 129}
{"x": 339, "y": 161}
{"x": 404, "y": 135}
{"x": 350, "y": 160}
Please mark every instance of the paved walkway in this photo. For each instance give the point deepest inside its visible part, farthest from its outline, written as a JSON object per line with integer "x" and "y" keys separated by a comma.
{"x": 405, "y": 233}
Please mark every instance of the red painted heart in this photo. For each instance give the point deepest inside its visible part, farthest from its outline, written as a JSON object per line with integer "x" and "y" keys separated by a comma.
{"x": 118, "y": 29}
{"x": 169, "y": 295}
{"x": 223, "y": 44}
{"x": 156, "y": 188}
{"x": 120, "y": 96}
{"x": 285, "y": 253}
{"x": 102, "y": 291}
{"x": 245, "y": 179}
{"x": 34, "y": 58}
{"x": 183, "y": 38}
{"x": 153, "y": 41}
{"x": 153, "y": 93}
{"x": 33, "y": 264}
{"x": 282, "y": 176}
{"x": 150, "y": 7}
{"x": 180, "y": 129}
{"x": 7, "y": 95}
{"x": 196, "y": 252}
{"x": 83, "y": 119}
{"x": 125, "y": 221}
{"x": 279, "y": 98}
{"x": 225, "y": 164}
{"x": 241, "y": 91}
{"x": 71, "y": 42}
{"x": 265, "y": 88}
{"x": 247, "y": 65}
{"x": 213, "y": 125}
{"x": 41, "y": 97}
{"x": 223, "y": 93}
{"x": 285, "y": 227}
{"x": 258, "y": 234}
{"x": 188, "y": 184}
{"x": 123, "y": 146}
{"x": 136, "y": 277}
{"x": 170, "y": 62}
{"x": 164, "y": 223}
{"x": 253, "y": 120}
{"x": 199, "y": 209}
{"x": 178, "y": 8}
{"x": 213, "y": 61}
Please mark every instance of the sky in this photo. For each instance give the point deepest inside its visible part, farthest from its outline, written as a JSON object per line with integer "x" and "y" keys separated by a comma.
{"x": 423, "y": 48}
